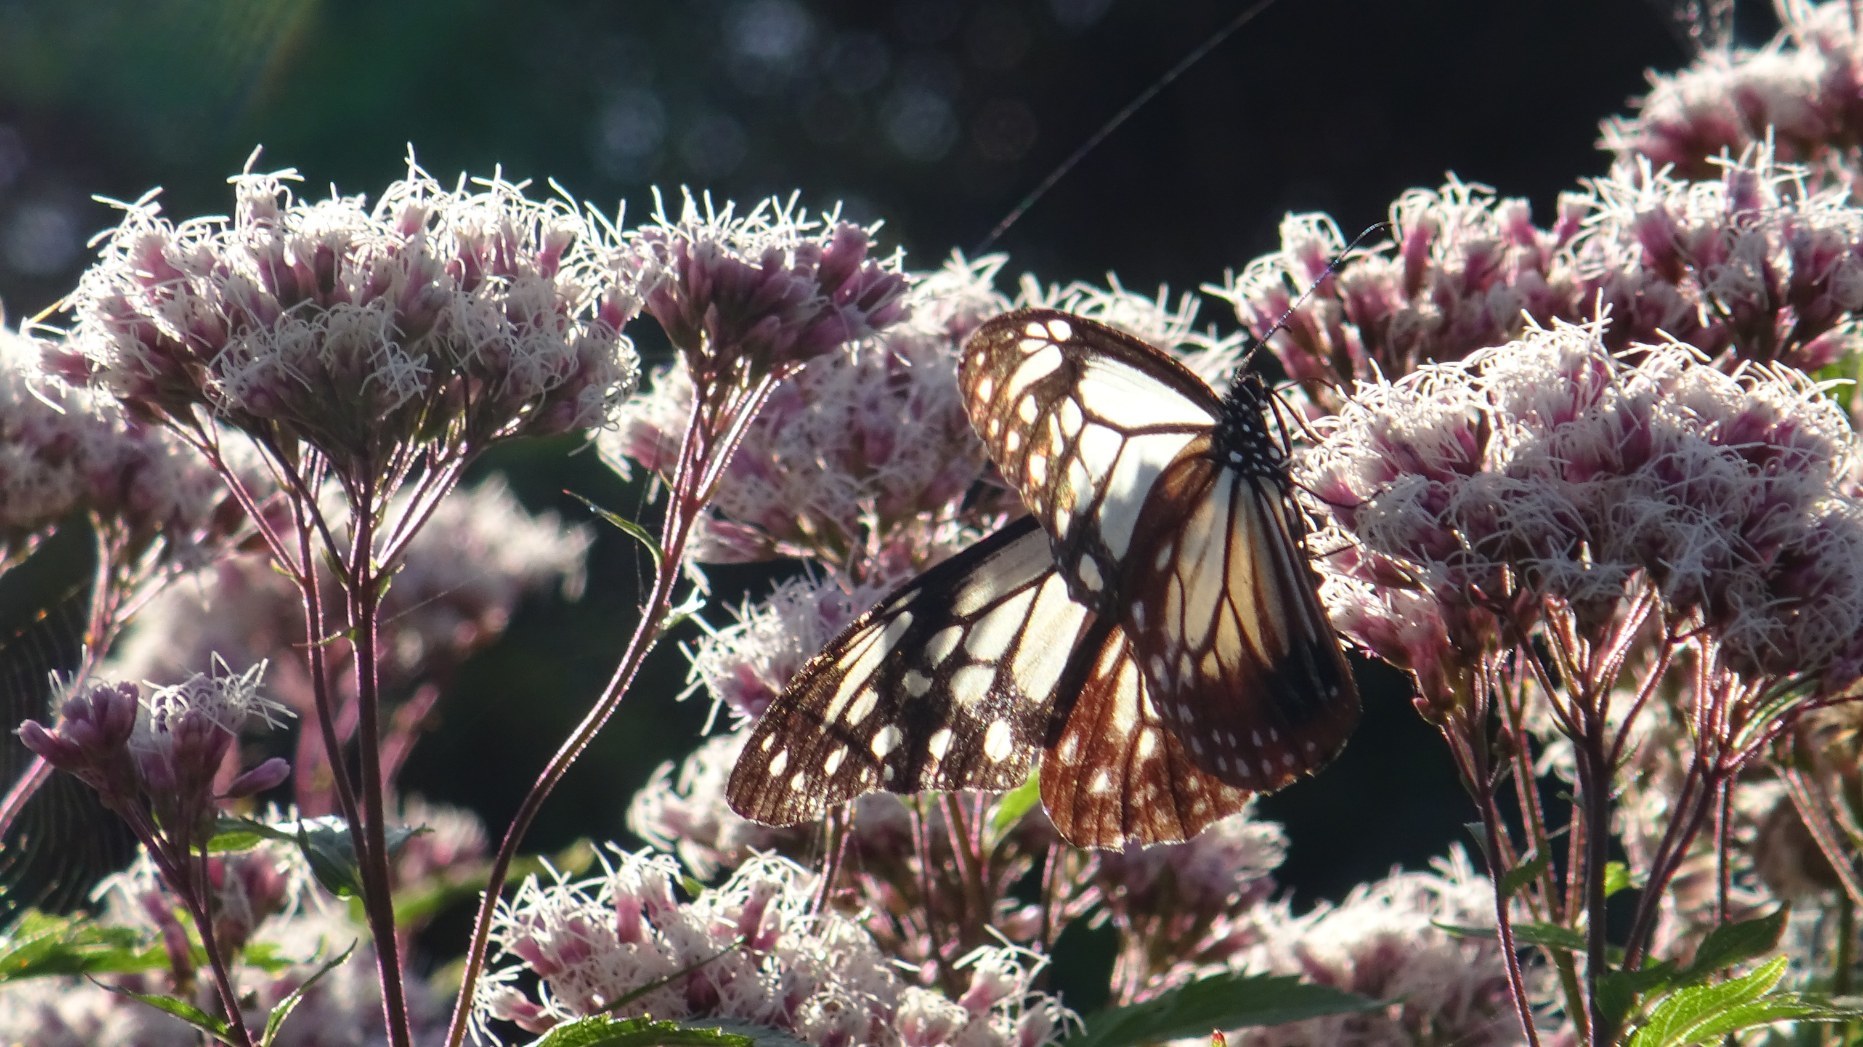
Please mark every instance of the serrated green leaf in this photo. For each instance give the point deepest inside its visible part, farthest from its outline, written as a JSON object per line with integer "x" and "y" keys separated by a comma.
{"x": 1521, "y": 875}
{"x": 285, "y": 1006}
{"x": 182, "y": 1009}
{"x": 626, "y": 526}
{"x": 603, "y": 1031}
{"x": 41, "y": 946}
{"x": 324, "y": 842}
{"x": 1012, "y": 805}
{"x": 1782, "y": 1007}
{"x": 1225, "y": 1001}
{"x": 1678, "y": 1019}
{"x": 1735, "y": 943}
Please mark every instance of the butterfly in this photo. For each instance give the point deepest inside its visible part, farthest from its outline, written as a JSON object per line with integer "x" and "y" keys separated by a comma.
{"x": 1150, "y": 633}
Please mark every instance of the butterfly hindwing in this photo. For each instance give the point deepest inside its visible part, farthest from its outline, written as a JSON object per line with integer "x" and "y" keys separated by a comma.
{"x": 948, "y": 683}
{"x": 1115, "y": 772}
{"x": 1081, "y": 418}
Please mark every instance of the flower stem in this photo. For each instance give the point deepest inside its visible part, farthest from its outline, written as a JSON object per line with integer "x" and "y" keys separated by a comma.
{"x": 700, "y": 455}
{"x": 378, "y": 899}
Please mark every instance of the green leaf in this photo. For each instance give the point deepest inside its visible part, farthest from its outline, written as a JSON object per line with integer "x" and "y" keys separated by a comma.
{"x": 1012, "y": 805}
{"x": 1521, "y": 875}
{"x": 1705, "y": 1014}
{"x": 1224, "y": 1001}
{"x": 40, "y": 946}
{"x": 285, "y": 1006}
{"x": 325, "y": 843}
{"x": 603, "y": 1031}
{"x": 182, "y": 1009}
{"x": 1616, "y": 878}
{"x": 1734, "y": 943}
{"x": 1620, "y": 990}
{"x": 1544, "y": 935}
{"x": 626, "y": 526}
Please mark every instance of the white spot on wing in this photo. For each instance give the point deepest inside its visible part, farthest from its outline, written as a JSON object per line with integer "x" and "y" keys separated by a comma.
{"x": 778, "y": 762}
{"x": 939, "y": 743}
{"x": 998, "y": 740}
{"x": 833, "y": 763}
{"x": 942, "y": 643}
{"x": 971, "y": 684}
{"x": 887, "y": 740}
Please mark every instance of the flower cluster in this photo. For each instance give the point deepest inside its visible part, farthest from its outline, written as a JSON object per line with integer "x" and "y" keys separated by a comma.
{"x": 263, "y": 904}
{"x": 767, "y": 290}
{"x": 1185, "y": 909}
{"x": 1798, "y": 93}
{"x": 66, "y": 449}
{"x": 455, "y": 316}
{"x": 1548, "y": 469}
{"x": 153, "y": 758}
{"x": 854, "y": 445}
{"x": 1750, "y": 263}
{"x": 1390, "y": 940}
{"x": 622, "y": 943}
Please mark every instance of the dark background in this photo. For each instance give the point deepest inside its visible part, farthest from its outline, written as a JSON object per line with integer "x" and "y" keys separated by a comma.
{"x": 937, "y": 116}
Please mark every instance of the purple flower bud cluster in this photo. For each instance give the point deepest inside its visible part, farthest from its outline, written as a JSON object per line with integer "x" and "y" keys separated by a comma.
{"x": 1799, "y": 94}
{"x": 66, "y": 449}
{"x": 155, "y": 759}
{"x": 1750, "y": 263}
{"x": 762, "y": 292}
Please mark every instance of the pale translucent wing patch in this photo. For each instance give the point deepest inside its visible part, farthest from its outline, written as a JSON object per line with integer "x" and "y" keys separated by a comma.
{"x": 1229, "y": 630}
{"x": 1081, "y": 419}
{"x": 949, "y": 683}
{"x": 1116, "y": 773}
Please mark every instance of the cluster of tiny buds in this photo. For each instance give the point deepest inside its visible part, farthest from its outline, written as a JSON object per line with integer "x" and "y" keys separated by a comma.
{"x": 1797, "y": 93}
{"x": 65, "y": 448}
{"x": 762, "y": 291}
{"x": 153, "y": 758}
{"x": 749, "y": 950}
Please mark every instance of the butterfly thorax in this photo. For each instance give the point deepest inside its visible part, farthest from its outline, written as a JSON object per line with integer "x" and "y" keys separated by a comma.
{"x": 1241, "y": 439}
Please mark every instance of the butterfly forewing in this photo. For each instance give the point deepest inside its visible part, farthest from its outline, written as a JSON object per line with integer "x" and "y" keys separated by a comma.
{"x": 1081, "y": 419}
{"x": 948, "y": 683}
{"x": 1228, "y": 628}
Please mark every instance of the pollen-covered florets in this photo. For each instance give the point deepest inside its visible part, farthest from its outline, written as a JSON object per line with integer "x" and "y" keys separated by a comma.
{"x": 1798, "y": 92}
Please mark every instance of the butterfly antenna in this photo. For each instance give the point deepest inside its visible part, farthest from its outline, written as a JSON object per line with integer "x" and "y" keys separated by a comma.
{"x": 1106, "y": 130}
{"x": 1255, "y": 344}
